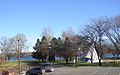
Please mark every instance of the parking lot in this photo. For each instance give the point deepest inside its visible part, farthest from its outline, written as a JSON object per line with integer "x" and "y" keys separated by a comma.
{"x": 61, "y": 70}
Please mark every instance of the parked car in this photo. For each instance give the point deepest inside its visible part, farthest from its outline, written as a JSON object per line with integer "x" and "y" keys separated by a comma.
{"x": 23, "y": 73}
{"x": 48, "y": 67}
{"x": 35, "y": 71}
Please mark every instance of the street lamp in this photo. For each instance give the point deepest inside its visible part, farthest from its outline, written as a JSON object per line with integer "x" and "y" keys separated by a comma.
{"x": 19, "y": 66}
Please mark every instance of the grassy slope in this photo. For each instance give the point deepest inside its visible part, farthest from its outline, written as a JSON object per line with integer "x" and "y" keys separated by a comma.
{"x": 9, "y": 64}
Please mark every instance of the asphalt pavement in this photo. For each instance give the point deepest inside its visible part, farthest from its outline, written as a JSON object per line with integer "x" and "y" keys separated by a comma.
{"x": 62, "y": 70}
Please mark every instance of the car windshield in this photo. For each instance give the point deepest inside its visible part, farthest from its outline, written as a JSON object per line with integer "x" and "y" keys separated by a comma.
{"x": 36, "y": 68}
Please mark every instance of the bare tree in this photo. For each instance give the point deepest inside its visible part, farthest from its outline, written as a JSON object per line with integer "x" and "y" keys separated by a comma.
{"x": 9, "y": 46}
{"x": 116, "y": 33}
{"x": 113, "y": 34}
{"x": 68, "y": 50}
{"x": 5, "y": 47}
{"x": 92, "y": 36}
{"x": 73, "y": 38}
{"x": 68, "y": 33}
{"x": 21, "y": 39}
{"x": 47, "y": 32}
{"x": 95, "y": 32}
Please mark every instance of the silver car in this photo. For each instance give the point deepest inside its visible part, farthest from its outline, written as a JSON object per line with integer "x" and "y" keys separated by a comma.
{"x": 35, "y": 71}
{"x": 48, "y": 67}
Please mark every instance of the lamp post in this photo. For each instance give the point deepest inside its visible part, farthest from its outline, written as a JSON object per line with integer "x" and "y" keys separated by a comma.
{"x": 19, "y": 66}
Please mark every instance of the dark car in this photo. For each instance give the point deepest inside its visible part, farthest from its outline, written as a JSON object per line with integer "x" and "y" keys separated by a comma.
{"x": 35, "y": 71}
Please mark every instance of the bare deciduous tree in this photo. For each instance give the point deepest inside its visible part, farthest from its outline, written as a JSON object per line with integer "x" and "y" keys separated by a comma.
{"x": 95, "y": 32}
{"x": 47, "y": 32}
{"x": 21, "y": 39}
{"x": 113, "y": 34}
{"x": 5, "y": 47}
{"x": 10, "y": 45}
{"x": 68, "y": 33}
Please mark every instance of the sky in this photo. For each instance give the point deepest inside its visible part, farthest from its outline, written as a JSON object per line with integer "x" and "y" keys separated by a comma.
{"x": 30, "y": 17}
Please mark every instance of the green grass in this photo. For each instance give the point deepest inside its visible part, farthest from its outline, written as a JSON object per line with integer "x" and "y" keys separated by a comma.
{"x": 79, "y": 64}
{"x": 111, "y": 64}
{"x": 110, "y": 58}
{"x": 9, "y": 64}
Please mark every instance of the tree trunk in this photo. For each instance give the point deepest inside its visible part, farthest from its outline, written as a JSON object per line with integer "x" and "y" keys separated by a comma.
{"x": 66, "y": 59}
{"x": 91, "y": 58}
{"x": 76, "y": 59}
{"x": 117, "y": 55}
{"x": 43, "y": 60}
{"x": 114, "y": 60}
{"x": 98, "y": 55}
{"x": 99, "y": 61}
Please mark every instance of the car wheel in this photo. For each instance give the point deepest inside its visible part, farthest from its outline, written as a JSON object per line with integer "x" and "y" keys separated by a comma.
{"x": 27, "y": 73}
{"x": 38, "y": 73}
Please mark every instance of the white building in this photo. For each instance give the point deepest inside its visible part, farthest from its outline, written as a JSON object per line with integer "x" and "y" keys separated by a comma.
{"x": 91, "y": 54}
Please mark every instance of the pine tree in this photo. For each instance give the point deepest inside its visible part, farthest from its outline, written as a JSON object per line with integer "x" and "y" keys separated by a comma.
{"x": 52, "y": 49}
{"x": 41, "y": 49}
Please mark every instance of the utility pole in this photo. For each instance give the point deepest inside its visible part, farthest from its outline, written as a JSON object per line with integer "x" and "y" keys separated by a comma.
{"x": 19, "y": 66}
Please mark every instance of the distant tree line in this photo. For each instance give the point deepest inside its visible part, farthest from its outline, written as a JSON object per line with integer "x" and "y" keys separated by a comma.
{"x": 65, "y": 47}
{"x": 102, "y": 33}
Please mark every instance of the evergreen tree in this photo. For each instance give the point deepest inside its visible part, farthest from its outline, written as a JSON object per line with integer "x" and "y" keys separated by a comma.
{"x": 52, "y": 49}
{"x": 59, "y": 47}
{"x": 41, "y": 49}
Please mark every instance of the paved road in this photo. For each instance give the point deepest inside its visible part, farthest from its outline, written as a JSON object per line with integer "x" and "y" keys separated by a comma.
{"x": 61, "y": 70}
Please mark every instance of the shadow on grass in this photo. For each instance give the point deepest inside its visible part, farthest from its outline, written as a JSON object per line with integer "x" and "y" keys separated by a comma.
{"x": 104, "y": 64}
{"x": 59, "y": 64}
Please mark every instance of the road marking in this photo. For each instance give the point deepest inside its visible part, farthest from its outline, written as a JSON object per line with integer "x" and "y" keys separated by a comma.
{"x": 106, "y": 72}
{"x": 93, "y": 72}
{"x": 119, "y": 73}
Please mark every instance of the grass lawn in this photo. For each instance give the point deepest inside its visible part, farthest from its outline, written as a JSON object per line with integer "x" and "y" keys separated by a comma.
{"x": 79, "y": 64}
{"x": 9, "y": 64}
